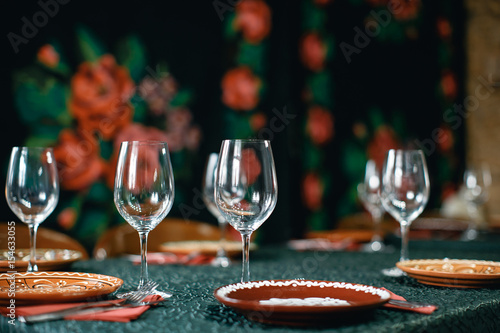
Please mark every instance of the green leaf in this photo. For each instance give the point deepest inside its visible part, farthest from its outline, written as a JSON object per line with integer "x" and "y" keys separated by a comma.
{"x": 39, "y": 106}
{"x": 252, "y": 56}
{"x": 314, "y": 17}
{"x": 318, "y": 221}
{"x": 89, "y": 45}
{"x": 183, "y": 97}
{"x": 229, "y": 30}
{"x": 321, "y": 87}
{"x": 238, "y": 125}
{"x": 131, "y": 53}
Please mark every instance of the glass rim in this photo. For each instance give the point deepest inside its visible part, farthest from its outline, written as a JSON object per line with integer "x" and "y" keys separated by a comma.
{"x": 247, "y": 140}
{"x": 32, "y": 147}
{"x": 144, "y": 142}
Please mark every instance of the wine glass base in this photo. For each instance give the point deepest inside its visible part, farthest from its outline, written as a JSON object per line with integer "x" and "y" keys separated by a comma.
{"x": 220, "y": 262}
{"x": 393, "y": 272}
{"x": 162, "y": 294}
{"x": 375, "y": 246}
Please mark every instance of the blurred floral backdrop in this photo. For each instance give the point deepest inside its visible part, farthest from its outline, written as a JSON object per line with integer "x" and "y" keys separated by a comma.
{"x": 332, "y": 83}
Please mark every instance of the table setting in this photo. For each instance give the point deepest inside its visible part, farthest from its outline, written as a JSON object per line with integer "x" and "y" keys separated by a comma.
{"x": 288, "y": 287}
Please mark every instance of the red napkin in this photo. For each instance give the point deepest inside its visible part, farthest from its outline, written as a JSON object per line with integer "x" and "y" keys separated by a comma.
{"x": 165, "y": 258}
{"x": 424, "y": 310}
{"x": 123, "y": 315}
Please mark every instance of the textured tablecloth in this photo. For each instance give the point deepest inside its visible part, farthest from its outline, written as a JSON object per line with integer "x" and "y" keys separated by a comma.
{"x": 193, "y": 307}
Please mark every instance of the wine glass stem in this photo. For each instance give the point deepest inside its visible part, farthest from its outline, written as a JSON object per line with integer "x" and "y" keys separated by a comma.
{"x": 405, "y": 226}
{"x": 32, "y": 267}
{"x": 245, "y": 273}
{"x": 143, "y": 236}
{"x": 377, "y": 221}
{"x": 221, "y": 252}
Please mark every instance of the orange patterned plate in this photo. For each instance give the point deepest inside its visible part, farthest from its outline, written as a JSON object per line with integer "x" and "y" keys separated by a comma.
{"x": 54, "y": 287}
{"x": 456, "y": 273}
{"x": 301, "y": 302}
{"x": 47, "y": 259}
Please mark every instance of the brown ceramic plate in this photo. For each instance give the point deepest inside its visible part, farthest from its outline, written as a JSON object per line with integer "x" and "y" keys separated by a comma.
{"x": 300, "y": 302}
{"x": 456, "y": 273}
{"x": 54, "y": 287}
{"x": 47, "y": 259}
{"x": 233, "y": 248}
{"x": 352, "y": 235}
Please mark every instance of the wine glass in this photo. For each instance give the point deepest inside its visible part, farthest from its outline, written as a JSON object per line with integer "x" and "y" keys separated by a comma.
{"x": 144, "y": 190}
{"x": 477, "y": 181}
{"x": 32, "y": 189}
{"x": 368, "y": 193}
{"x": 246, "y": 189}
{"x": 405, "y": 189}
{"x": 221, "y": 259}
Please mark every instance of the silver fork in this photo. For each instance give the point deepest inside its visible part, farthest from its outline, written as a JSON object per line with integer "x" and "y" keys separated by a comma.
{"x": 410, "y": 304}
{"x": 133, "y": 299}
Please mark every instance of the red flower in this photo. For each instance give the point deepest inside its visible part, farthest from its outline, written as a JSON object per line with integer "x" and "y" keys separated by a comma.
{"x": 319, "y": 125}
{"x": 312, "y": 192}
{"x": 48, "y": 56}
{"x": 258, "y": 121}
{"x": 404, "y": 10}
{"x": 449, "y": 85}
{"x": 78, "y": 160}
{"x": 67, "y": 218}
{"x": 313, "y": 52}
{"x": 383, "y": 140}
{"x": 250, "y": 165}
{"x": 240, "y": 89}
{"x": 253, "y": 18}
{"x": 100, "y": 95}
{"x": 444, "y": 28}
{"x": 445, "y": 140}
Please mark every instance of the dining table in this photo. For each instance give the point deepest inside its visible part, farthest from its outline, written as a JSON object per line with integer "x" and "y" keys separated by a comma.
{"x": 193, "y": 307}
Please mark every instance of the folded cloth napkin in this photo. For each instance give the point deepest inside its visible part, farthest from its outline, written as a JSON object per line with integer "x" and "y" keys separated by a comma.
{"x": 424, "y": 310}
{"x": 123, "y": 315}
{"x": 165, "y": 258}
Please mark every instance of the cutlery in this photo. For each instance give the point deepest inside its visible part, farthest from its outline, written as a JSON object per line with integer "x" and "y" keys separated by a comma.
{"x": 133, "y": 299}
{"x": 410, "y": 304}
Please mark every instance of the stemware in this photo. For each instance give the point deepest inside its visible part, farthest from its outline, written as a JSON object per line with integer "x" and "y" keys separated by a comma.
{"x": 246, "y": 188}
{"x": 32, "y": 189}
{"x": 144, "y": 190}
{"x": 221, "y": 259}
{"x": 405, "y": 189}
{"x": 477, "y": 181}
{"x": 368, "y": 193}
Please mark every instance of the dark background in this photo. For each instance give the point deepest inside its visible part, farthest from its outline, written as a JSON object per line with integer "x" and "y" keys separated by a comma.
{"x": 188, "y": 36}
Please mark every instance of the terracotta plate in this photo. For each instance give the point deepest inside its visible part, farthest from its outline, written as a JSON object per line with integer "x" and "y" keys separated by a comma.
{"x": 233, "y": 248}
{"x": 300, "y": 302}
{"x": 47, "y": 259}
{"x": 54, "y": 287}
{"x": 453, "y": 272}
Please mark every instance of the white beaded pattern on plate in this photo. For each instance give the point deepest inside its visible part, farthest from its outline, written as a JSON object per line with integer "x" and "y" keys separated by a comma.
{"x": 226, "y": 290}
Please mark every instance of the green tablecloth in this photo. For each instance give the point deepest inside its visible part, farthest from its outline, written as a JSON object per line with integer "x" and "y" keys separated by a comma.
{"x": 194, "y": 309}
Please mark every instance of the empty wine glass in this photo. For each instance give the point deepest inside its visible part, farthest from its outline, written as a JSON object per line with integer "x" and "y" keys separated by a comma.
{"x": 477, "y": 181}
{"x": 221, "y": 259}
{"x": 246, "y": 189}
{"x": 144, "y": 190}
{"x": 368, "y": 193}
{"x": 32, "y": 189}
{"x": 405, "y": 189}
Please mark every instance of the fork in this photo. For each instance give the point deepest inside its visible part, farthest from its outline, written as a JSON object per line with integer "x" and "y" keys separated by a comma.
{"x": 132, "y": 299}
{"x": 410, "y": 304}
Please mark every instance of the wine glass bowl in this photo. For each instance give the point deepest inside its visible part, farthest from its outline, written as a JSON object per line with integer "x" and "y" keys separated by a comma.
{"x": 246, "y": 188}
{"x": 221, "y": 259}
{"x": 405, "y": 189}
{"x": 144, "y": 189}
{"x": 32, "y": 189}
{"x": 475, "y": 189}
{"x": 368, "y": 193}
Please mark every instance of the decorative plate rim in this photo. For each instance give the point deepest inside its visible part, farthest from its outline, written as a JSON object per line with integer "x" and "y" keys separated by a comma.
{"x": 22, "y": 263}
{"x": 404, "y": 266}
{"x": 222, "y": 292}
